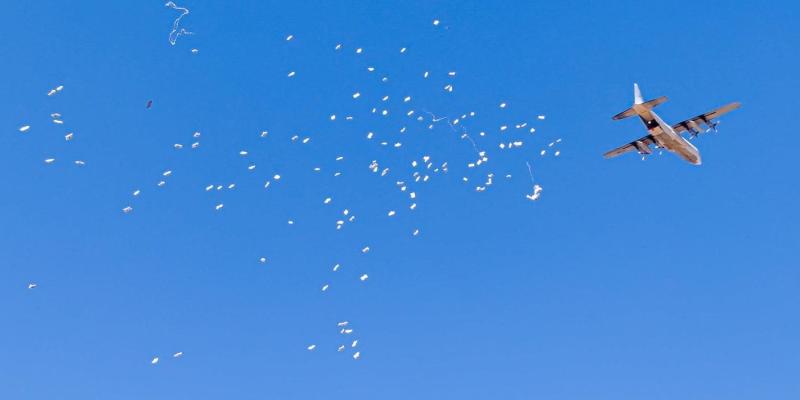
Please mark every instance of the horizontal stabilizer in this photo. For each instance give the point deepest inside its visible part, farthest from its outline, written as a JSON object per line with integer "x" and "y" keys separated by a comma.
{"x": 625, "y": 114}
{"x": 651, "y": 104}
{"x": 648, "y": 105}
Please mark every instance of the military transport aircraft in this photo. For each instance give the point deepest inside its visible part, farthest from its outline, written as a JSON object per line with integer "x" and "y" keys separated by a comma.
{"x": 664, "y": 136}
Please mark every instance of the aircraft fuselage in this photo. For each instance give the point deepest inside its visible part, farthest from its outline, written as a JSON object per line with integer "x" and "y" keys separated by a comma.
{"x": 665, "y": 136}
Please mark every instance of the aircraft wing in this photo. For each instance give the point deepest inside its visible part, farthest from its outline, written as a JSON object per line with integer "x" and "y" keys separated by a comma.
{"x": 641, "y": 145}
{"x": 693, "y": 124}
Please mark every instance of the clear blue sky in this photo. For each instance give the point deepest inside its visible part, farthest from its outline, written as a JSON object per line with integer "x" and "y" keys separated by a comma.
{"x": 626, "y": 280}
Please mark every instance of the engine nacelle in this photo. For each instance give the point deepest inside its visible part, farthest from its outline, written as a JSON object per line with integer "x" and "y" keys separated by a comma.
{"x": 694, "y": 128}
{"x": 642, "y": 147}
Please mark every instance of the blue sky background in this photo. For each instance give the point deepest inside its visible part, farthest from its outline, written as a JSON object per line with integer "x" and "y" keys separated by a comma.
{"x": 626, "y": 280}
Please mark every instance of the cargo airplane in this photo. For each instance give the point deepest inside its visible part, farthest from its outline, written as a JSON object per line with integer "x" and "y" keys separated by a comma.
{"x": 663, "y": 135}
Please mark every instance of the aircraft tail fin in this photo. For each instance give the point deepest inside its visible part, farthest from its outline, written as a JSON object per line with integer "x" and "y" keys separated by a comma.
{"x": 637, "y": 100}
{"x": 637, "y": 94}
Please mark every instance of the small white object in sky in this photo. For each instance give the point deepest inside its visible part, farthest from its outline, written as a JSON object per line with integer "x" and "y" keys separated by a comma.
{"x": 290, "y": 222}
{"x": 333, "y": 117}
{"x": 178, "y": 354}
{"x": 425, "y": 75}
{"x": 243, "y": 153}
{"x": 343, "y": 323}
{"x": 543, "y": 152}
{"x": 167, "y": 173}
{"x": 127, "y": 209}
{"x": 219, "y": 206}
{"x": 356, "y": 95}
{"x": 341, "y": 348}
{"x": 364, "y": 277}
{"x": 262, "y": 260}
{"x": 365, "y": 250}
{"x": 403, "y": 50}
{"x": 49, "y": 160}
{"x": 503, "y": 105}
{"x": 359, "y": 50}
{"x": 391, "y": 213}
{"x": 24, "y": 128}
{"x": 154, "y": 361}
{"x": 290, "y": 37}
{"x": 537, "y": 192}
{"x": 325, "y": 287}
{"x": 291, "y": 74}
{"x": 177, "y": 146}
{"x": 311, "y": 347}
{"x": 541, "y": 117}
{"x": 338, "y": 47}
{"x": 416, "y": 232}
{"x": 32, "y": 285}
{"x": 336, "y": 268}
{"x": 136, "y": 192}
{"x": 557, "y": 153}
{"x": 58, "y": 122}
{"x": 327, "y": 200}
{"x": 357, "y": 355}
{"x": 452, "y": 73}
{"x": 354, "y": 344}
{"x": 80, "y": 163}
{"x": 195, "y": 51}
{"x": 436, "y": 22}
